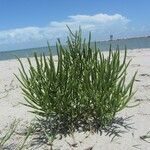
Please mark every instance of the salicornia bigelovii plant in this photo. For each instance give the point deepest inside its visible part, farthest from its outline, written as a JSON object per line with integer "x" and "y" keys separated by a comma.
{"x": 84, "y": 86}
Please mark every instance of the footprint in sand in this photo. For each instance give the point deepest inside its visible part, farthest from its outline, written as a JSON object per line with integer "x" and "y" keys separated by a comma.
{"x": 146, "y": 87}
{"x": 135, "y": 65}
{"x": 144, "y": 75}
{"x": 137, "y": 80}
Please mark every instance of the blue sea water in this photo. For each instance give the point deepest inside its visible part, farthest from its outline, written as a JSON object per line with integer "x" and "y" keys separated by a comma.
{"x": 131, "y": 43}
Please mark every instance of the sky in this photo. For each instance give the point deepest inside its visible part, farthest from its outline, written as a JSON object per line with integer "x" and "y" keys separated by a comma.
{"x": 31, "y": 23}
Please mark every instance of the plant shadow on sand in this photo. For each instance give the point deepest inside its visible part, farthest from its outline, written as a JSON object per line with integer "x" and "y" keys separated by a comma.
{"x": 45, "y": 129}
{"x": 82, "y": 93}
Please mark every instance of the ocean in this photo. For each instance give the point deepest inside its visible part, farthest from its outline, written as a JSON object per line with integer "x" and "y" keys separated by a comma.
{"x": 131, "y": 43}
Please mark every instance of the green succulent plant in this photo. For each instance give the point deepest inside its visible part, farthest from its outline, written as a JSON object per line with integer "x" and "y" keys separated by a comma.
{"x": 83, "y": 86}
{"x": 8, "y": 135}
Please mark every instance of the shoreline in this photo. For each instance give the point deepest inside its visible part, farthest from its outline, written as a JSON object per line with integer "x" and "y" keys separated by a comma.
{"x": 55, "y": 55}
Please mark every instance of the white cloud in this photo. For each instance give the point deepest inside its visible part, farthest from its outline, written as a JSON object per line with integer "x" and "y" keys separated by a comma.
{"x": 102, "y": 24}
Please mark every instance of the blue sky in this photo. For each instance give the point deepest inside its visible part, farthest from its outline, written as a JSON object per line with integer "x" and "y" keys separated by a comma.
{"x": 30, "y": 23}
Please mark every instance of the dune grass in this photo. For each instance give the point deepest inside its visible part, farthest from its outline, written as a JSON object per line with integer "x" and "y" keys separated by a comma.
{"x": 85, "y": 87}
{"x": 4, "y": 139}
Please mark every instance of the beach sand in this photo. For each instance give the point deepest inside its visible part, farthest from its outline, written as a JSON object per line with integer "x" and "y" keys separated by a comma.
{"x": 10, "y": 109}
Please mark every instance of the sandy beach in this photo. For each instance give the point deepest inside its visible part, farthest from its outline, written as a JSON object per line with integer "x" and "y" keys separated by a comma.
{"x": 139, "y": 116}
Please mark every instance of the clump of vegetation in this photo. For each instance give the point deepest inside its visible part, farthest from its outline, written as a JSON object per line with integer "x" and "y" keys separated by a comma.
{"x": 85, "y": 87}
{"x": 6, "y": 139}
{"x": 8, "y": 134}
